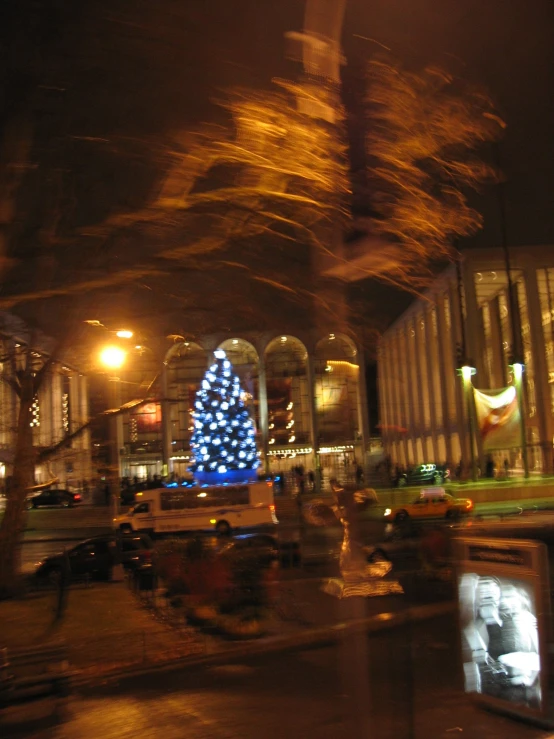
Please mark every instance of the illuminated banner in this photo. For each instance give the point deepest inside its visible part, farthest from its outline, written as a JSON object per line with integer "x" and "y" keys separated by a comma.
{"x": 498, "y": 418}
{"x": 148, "y": 418}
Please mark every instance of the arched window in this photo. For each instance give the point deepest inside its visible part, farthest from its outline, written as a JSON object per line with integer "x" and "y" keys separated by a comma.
{"x": 244, "y": 359}
{"x": 288, "y": 397}
{"x": 336, "y": 390}
{"x": 187, "y": 363}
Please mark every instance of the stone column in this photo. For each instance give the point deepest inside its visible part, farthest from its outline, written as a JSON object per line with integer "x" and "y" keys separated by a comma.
{"x": 447, "y": 379}
{"x": 431, "y": 350}
{"x": 314, "y": 429}
{"x": 473, "y": 322}
{"x": 413, "y": 391}
{"x": 402, "y": 392}
{"x": 499, "y": 368}
{"x": 363, "y": 424}
{"x": 462, "y": 421}
{"x": 263, "y": 409}
{"x": 384, "y": 383}
{"x": 542, "y": 390}
{"x": 167, "y": 465}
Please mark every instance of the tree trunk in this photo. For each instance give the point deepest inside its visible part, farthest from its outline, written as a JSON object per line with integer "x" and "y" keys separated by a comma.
{"x": 13, "y": 523}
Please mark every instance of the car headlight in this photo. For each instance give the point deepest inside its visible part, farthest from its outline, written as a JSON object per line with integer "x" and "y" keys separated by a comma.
{"x": 388, "y": 511}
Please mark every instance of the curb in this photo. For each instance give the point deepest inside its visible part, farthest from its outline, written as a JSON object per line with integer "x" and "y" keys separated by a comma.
{"x": 305, "y": 640}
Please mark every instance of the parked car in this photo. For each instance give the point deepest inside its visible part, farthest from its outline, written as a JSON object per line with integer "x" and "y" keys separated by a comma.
{"x": 430, "y": 505}
{"x": 424, "y": 474}
{"x": 262, "y": 549}
{"x": 95, "y": 557}
{"x": 54, "y": 498}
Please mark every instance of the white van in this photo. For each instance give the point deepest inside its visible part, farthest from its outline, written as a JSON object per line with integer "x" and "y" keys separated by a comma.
{"x": 219, "y": 508}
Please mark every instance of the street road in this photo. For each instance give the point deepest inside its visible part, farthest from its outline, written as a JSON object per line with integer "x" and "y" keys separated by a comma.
{"x": 397, "y": 686}
{"x": 44, "y": 520}
{"x": 50, "y": 530}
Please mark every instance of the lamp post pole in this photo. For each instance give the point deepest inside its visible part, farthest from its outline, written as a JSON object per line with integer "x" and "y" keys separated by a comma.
{"x": 517, "y": 369}
{"x": 466, "y": 372}
{"x": 517, "y": 352}
{"x": 115, "y": 445}
{"x": 113, "y": 358}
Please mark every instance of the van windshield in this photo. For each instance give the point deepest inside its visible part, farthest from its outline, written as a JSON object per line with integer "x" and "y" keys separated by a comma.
{"x": 140, "y": 508}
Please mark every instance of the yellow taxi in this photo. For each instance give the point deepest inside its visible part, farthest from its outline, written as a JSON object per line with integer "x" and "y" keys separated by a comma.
{"x": 433, "y": 503}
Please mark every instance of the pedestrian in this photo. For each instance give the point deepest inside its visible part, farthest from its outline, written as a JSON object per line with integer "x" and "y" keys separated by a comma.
{"x": 459, "y": 468}
{"x": 311, "y": 479}
{"x": 359, "y": 475}
{"x": 506, "y": 468}
{"x": 107, "y": 494}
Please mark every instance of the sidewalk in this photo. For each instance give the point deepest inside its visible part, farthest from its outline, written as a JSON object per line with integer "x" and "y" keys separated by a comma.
{"x": 115, "y": 641}
{"x": 103, "y": 626}
{"x": 295, "y": 694}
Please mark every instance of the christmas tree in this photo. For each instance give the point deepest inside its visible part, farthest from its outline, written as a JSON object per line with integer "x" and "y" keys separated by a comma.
{"x": 223, "y": 442}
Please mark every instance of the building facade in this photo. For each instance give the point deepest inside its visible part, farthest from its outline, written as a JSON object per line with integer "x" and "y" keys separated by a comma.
{"x": 60, "y": 408}
{"x": 472, "y": 313}
{"x": 306, "y": 395}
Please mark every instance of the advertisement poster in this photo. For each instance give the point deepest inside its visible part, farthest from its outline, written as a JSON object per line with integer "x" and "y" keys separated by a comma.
{"x": 148, "y": 418}
{"x": 498, "y": 418}
{"x": 504, "y": 602}
{"x": 500, "y": 639}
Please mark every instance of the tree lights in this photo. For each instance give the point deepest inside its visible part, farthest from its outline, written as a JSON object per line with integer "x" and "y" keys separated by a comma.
{"x": 224, "y": 439}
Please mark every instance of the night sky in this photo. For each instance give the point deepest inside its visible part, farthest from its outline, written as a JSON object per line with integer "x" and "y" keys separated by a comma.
{"x": 107, "y": 78}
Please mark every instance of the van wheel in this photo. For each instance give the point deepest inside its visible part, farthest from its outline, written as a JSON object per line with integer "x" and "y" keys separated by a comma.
{"x": 125, "y": 529}
{"x": 402, "y": 516}
{"x": 222, "y": 528}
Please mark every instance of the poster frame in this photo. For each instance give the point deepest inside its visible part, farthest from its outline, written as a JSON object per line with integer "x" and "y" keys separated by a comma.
{"x": 491, "y": 556}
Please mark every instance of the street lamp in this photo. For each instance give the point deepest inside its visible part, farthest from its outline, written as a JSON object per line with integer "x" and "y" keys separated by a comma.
{"x": 112, "y": 357}
{"x": 517, "y": 369}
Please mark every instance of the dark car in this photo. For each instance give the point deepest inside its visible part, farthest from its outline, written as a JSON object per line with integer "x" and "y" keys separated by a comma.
{"x": 95, "y": 557}
{"x": 424, "y": 474}
{"x": 261, "y": 549}
{"x": 54, "y": 498}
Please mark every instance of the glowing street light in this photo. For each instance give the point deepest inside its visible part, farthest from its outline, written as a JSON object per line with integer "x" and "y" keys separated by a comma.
{"x": 124, "y": 334}
{"x": 467, "y": 371}
{"x": 112, "y": 357}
